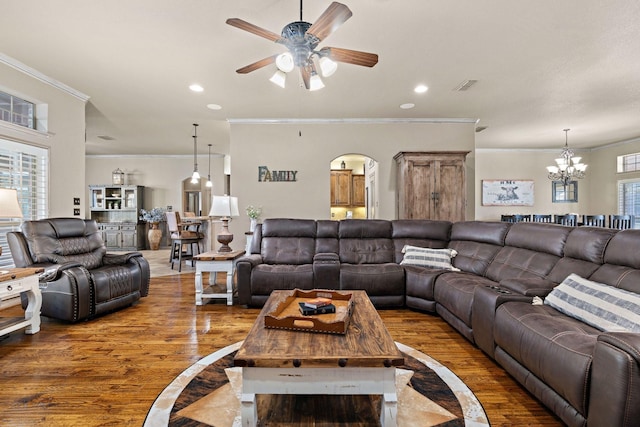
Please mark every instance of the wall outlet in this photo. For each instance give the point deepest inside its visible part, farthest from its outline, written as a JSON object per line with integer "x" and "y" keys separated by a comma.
{"x": 76, "y": 212}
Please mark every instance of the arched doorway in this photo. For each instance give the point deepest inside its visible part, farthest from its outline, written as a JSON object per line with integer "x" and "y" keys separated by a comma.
{"x": 353, "y": 187}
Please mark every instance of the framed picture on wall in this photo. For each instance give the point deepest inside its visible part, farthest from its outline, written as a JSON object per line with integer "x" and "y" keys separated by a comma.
{"x": 507, "y": 192}
{"x": 564, "y": 193}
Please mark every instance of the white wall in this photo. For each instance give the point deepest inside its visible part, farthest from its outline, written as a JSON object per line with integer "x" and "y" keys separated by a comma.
{"x": 527, "y": 165}
{"x": 160, "y": 175}
{"x": 604, "y": 177}
{"x": 280, "y": 147}
{"x": 64, "y": 137}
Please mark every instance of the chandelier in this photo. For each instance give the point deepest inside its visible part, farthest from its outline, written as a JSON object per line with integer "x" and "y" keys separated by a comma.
{"x": 568, "y": 167}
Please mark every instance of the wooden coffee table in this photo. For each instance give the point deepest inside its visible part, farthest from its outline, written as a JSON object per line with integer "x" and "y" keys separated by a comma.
{"x": 361, "y": 361}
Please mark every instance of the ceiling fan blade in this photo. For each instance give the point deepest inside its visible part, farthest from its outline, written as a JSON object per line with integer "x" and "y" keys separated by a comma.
{"x": 256, "y": 65}
{"x": 335, "y": 15}
{"x": 349, "y": 56}
{"x": 254, "y": 29}
{"x": 306, "y": 76}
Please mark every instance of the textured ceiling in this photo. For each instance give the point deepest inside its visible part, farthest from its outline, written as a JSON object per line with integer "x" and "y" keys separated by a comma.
{"x": 541, "y": 66}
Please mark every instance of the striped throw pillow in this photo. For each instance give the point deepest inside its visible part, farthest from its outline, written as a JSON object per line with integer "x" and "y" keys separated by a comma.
{"x": 427, "y": 257}
{"x": 602, "y": 306}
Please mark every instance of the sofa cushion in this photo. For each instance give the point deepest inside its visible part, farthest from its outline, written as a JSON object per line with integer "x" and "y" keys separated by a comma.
{"x": 427, "y": 257}
{"x": 366, "y": 241}
{"x": 477, "y": 244}
{"x": 424, "y": 233}
{"x": 604, "y": 307}
{"x": 267, "y": 277}
{"x": 61, "y": 240}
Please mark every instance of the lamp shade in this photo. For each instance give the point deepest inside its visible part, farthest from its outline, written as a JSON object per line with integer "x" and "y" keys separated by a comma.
{"x": 9, "y": 206}
{"x": 224, "y": 206}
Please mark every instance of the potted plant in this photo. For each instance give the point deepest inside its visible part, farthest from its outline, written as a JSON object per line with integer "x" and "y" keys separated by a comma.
{"x": 253, "y": 212}
{"x": 153, "y": 217}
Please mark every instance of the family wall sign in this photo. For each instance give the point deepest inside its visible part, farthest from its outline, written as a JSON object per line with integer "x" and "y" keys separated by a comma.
{"x": 266, "y": 175}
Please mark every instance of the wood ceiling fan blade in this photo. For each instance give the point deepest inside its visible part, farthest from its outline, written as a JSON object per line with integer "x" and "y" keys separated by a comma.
{"x": 256, "y": 65}
{"x": 254, "y": 29}
{"x": 335, "y": 15}
{"x": 306, "y": 76}
{"x": 349, "y": 56}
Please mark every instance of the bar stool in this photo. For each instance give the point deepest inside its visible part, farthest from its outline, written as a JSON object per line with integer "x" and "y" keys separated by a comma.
{"x": 180, "y": 237}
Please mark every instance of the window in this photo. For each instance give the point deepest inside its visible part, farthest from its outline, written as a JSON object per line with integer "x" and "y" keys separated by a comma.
{"x": 629, "y": 199}
{"x": 562, "y": 192}
{"x": 629, "y": 163}
{"x": 24, "y": 168}
{"x": 17, "y": 111}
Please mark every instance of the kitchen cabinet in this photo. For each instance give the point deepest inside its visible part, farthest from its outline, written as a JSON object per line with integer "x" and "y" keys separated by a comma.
{"x": 357, "y": 190}
{"x": 116, "y": 209}
{"x": 431, "y": 185}
{"x": 341, "y": 187}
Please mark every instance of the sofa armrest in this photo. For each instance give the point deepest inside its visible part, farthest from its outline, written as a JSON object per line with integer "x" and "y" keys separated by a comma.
{"x": 244, "y": 266}
{"x": 326, "y": 270}
{"x": 486, "y": 300}
{"x": 66, "y": 292}
{"x": 134, "y": 260}
{"x": 119, "y": 259}
{"x": 530, "y": 287}
{"x": 615, "y": 380}
{"x": 54, "y": 271}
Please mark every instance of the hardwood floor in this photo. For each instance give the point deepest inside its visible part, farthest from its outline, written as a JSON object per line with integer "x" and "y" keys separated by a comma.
{"x": 108, "y": 371}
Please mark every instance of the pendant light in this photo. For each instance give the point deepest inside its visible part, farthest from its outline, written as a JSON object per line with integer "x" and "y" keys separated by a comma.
{"x": 209, "y": 183}
{"x": 195, "y": 176}
{"x": 568, "y": 167}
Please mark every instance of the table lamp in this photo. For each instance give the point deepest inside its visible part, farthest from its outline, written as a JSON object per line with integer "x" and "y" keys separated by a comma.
{"x": 9, "y": 207}
{"x": 225, "y": 207}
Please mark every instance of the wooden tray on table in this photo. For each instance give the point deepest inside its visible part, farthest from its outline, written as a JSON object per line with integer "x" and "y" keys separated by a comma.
{"x": 287, "y": 313}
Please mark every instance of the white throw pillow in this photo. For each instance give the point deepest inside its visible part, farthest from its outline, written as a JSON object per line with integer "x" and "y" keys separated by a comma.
{"x": 602, "y": 306}
{"x": 427, "y": 257}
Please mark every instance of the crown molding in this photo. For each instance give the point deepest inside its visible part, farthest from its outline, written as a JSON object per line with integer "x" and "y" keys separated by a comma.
{"x": 391, "y": 120}
{"x": 15, "y": 64}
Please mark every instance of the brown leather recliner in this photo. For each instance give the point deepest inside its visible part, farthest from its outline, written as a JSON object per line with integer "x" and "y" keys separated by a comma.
{"x": 81, "y": 280}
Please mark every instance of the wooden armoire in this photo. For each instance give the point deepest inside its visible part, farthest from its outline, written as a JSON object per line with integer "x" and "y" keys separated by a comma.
{"x": 431, "y": 185}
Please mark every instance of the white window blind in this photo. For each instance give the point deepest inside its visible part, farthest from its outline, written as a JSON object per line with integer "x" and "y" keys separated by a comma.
{"x": 629, "y": 199}
{"x": 25, "y": 168}
{"x": 628, "y": 163}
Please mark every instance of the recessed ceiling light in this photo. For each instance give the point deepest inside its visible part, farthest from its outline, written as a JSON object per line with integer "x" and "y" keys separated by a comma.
{"x": 196, "y": 87}
{"x": 407, "y": 106}
{"x": 214, "y": 107}
{"x": 420, "y": 89}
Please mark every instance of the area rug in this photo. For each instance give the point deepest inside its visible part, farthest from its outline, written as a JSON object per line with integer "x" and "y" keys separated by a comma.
{"x": 208, "y": 394}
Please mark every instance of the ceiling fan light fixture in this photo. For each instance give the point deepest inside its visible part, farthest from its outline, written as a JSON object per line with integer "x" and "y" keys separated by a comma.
{"x": 315, "y": 82}
{"x": 284, "y": 62}
{"x": 279, "y": 78}
{"x": 327, "y": 66}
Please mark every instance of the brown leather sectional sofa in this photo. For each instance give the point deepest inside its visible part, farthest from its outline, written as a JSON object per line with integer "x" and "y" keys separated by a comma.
{"x": 584, "y": 375}
{"x": 81, "y": 280}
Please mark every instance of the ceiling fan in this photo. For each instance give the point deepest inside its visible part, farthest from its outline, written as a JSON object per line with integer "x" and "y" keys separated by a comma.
{"x": 301, "y": 38}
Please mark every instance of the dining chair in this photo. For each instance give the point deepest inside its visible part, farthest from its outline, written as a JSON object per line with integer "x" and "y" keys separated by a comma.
{"x": 567, "y": 219}
{"x": 182, "y": 241}
{"x": 542, "y": 218}
{"x": 621, "y": 222}
{"x": 594, "y": 220}
{"x": 506, "y": 218}
{"x": 521, "y": 218}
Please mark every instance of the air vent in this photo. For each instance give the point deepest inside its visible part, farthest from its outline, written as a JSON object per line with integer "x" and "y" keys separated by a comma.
{"x": 480, "y": 128}
{"x": 106, "y": 137}
{"x": 465, "y": 85}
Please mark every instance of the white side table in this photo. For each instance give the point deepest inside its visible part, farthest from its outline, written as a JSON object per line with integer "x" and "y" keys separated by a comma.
{"x": 213, "y": 262}
{"x": 12, "y": 283}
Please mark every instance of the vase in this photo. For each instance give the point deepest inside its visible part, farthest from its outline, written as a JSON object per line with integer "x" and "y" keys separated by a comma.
{"x": 252, "y": 226}
{"x": 154, "y": 235}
